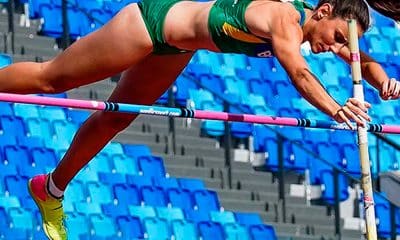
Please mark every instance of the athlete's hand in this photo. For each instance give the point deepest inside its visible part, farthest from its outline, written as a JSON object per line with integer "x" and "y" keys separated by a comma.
{"x": 353, "y": 110}
{"x": 390, "y": 89}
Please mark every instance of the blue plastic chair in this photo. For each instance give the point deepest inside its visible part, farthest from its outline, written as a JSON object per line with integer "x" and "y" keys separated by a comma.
{"x": 197, "y": 216}
{"x": 21, "y": 218}
{"x": 183, "y": 84}
{"x": 127, "y": 194}
{"x": 236, "y": 231}
{"x": 5, "y": 60}
{"x": 26, "y": 111}
{"x": 328, "y": 192}
{"x": 263, "y": 232}
{"x": 12, "y": 125}
{"x": 15, "y": 233}
{"x": 112, "y": 179}
{"x": 114, "y": 210}
{"x": 65, "y": 130}
{"x": 234, "y": 60}
{"x": 77, "y": 225}
{"x": 142, "y": 212}
{"x": 223, "y": 218}
{"x": 125, "y": 165}
{"x": 75, "y": 191}
{"x": 6, "y": 109}
{"x": 382, "y": 210}
{"x": 130, "y": 227}
{"x": 9, "y": 202}
{"x": 16, "y": 186}
{"x": 136, "y": 150}
{"x": 17, "y": 155}
{"x": 153, "y": 196}
{"x": 166, "y": 183}
{"x": 139, "y": 181}
{"x": 191, "y": 184}
{"x": 152, "y": 166}
{"x": 99, "y": 193}
{"x": 44, "y": 157}
{"x": 211, "y": 231}
{"x": 103, "y": 226}
{"x": 184, "y": 230}
{"x": 88, "y": 208}
{"x": 180, "y": 198}
{"x": 206, "y": 200}
{"x": 52, "y": 113}
{"x": 113, "y": 148}
{"x": 156, "y": 228}
{"x": 30, "y": 142}
{"x": 239, "y": 129}
{"x": 40, "y": 128}
{"x": 248, "y": 219}
{"x": 77, "y": 116}
{"x": 100, "y": 163}
{"x": 170, "y": 214}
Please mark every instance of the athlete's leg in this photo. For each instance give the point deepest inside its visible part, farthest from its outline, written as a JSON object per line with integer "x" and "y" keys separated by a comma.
{"x": 142, "y": 84}
{"x": 118, "y": 45}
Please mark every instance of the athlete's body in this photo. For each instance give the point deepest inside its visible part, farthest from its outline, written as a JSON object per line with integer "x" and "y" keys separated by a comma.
{"x": 131, "y": 41}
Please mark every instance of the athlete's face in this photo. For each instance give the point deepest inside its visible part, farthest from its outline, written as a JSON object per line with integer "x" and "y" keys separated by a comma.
{"x": 329, "y": 34}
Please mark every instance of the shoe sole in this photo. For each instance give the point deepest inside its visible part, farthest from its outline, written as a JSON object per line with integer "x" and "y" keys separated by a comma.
{"x": 40, "y": 209}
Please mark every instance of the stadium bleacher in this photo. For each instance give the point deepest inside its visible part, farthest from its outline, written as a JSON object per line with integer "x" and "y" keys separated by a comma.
{"x": 129, "y": 192}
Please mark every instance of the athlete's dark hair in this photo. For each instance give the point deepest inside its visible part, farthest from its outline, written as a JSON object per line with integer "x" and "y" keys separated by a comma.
{"x": 389, "y": 8}
{"x": 347, "y": 9}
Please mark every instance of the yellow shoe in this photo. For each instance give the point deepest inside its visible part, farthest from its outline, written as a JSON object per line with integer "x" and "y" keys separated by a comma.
{"x": 50, "y": 208}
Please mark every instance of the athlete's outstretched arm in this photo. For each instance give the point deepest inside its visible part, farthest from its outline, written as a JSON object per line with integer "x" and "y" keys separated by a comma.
{"x": 286, "y": 39}
{"x": 374, "y": 73}
{"x": 121, "y": 43}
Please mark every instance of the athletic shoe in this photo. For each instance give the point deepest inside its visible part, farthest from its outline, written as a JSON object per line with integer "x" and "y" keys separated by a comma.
{"x": 50, "y": 208}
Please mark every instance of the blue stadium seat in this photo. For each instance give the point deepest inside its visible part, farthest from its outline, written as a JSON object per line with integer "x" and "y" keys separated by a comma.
{"x": 16, "y": 186}
{"x": 248, "y": 74}
{"x": 100, "y": 163}
{"x": 352, "y": 160}
{"x": 30, "y": 142}
{"x": 156, "y": 228}
{"x": 237, "y": 87}
{"x": 15, "y": 233}
{"x": 199, "y": 97}
{"x": 152, "y": 166}
{"x": 26, "y": 111}
{"x": 77, "y": 116}
{"x": 262, "y": 88}
{"x": 52, "y": 113}
{"x": 153, "y": 196}
{"x": 248, "y": 219}
{"x": 77, "y": 225}
{"x": 191, "y": 184}
{"x": 6, "y": 140}
{"x": 258, "y": 105}
{"x": 114, "y": 210}
{"x": 65, "y": 130}
{"x": 12, "y": 125}
{"x": 184, "y": 230}
{"x": 8, "y": 202}
{"x": 142, "y": 212}
{"x": 6, "y": 109}
{"x": 183, "y": 84}
{"x": 136, "y": 150}
{"x": 211, "y": 231}
{"x": 103, "y": 226}
{"x": 99, "y": 192}
{"x": 208, "y": 58}
{"x": 5, "y": 60}
{"x": 331, "y": 153}
{"x": 39, "y": 128}
{"x": 17, "y": 155}
{"x": 180, "y": 198}
{"x": 90, "y": 5}
{"x": 213, "y": 128}
{"x": 127, "y": 194}
{"x": 328, "y": 190}
{"x": 206, "y": 200}
{"x": 197, "y": 216}
{"x": 170, "y": 214}
{"x": 262, "y": 232}
{"x": 86, "y": 175}
{"x": 6, "y": 170}
{"x": 213, "y": 82}
{"x": 75, "y": 191}
{"x": 59, "y": 146}
{"x": 97, "y": 19}
{"x": 285, "y": 88}
{"x": 238, "y": 61}
{"x": 125, "y": 165}
{"x": 112, "y": 178}
{"x": 21, "y": 219}
{"x": 261, "y": 135}
{"x": 88, "y": 208}
{"x": 381, "y": 21}
{"x": 139, "y": 181}
{"x": 382, "y": 210}
{"x": 236, "y": 231}
{"x": 4, "y": 221}
{"x": 260, "y": 64}
{"x": 115, "y": 5}
{"x": 130, "y": 227}
{"x": 44, "y": 157}
{"x": 166, "y": 183}
{"x": 223, "y": 218}
{"x": 379, "y": 44}
{"x": 113, "y": 148}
